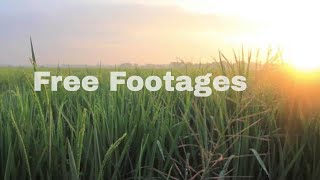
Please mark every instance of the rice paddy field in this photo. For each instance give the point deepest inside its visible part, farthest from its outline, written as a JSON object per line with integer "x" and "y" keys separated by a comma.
{"x": 269, "y": 131}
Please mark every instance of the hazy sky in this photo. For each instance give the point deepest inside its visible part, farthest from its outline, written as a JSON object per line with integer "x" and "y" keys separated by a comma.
{"x": 116, "y": 31}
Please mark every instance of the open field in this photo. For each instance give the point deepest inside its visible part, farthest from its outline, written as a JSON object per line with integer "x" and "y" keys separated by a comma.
{"x": 269, "y": 131}
{"x": 159, "y": 89}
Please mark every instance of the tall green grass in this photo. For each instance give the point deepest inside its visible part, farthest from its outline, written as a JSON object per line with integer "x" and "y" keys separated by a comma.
{"x": 151, "y": 135}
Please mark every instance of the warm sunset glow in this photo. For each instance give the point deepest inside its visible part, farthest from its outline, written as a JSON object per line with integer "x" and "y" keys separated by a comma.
{"x": 308, "y": 65}
{"x": 289, "y": 25}
{"x": 301, "y": 47}
{"x": 158, "y": 31}
{"x": 303, "y": 58}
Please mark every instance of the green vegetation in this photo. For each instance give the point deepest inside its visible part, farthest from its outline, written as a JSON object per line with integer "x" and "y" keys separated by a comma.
{"x": 156, "y": 135}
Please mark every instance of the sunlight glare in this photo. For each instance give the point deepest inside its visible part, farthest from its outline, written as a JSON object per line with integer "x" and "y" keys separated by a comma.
{"x": 290, "y": 25}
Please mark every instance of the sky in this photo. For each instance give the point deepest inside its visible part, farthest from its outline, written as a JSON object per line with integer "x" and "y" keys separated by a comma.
{"x": 132, "y": 31}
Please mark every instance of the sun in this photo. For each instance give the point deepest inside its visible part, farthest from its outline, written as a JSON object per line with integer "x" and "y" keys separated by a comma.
{"x": 302, "y": 60}
{"x": 302, "y": 53}
{"x": 304, "y": 65}
{"x": 290, "y": 25}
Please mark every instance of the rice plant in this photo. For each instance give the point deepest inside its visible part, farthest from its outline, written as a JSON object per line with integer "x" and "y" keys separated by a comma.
{"x": 156, "y": 135}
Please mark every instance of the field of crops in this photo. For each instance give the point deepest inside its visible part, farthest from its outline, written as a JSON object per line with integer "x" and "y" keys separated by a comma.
{"x": 269, "y": 131}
